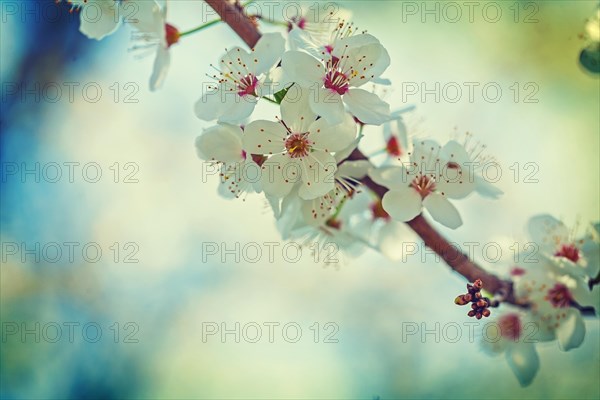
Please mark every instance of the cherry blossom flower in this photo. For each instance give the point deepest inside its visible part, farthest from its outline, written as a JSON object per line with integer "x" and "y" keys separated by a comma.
{"x": 240, "y": 171}
{"x": 514, "y": 337}
{"x": 153, "y": 32}
{"x": 552, "y": 296}
{"x": 317, "y": 32}
{"x": 334, "y": 80}
{"x": 241, "y": 79}
{"x": 373, "y": 225}
{"x": 330, "y": 234}
{"x": 98, "y": 18}
{"x": 579, "y": 257}
{"x": 298, "y": 148}
{"x": 391, "y": 145}
{"x": 432, "y": 175}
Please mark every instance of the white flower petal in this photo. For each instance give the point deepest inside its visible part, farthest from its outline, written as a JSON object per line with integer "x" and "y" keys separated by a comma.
{"x": 571, "y": 331}
{"x": 161, "y": 66}
{"x": 365, "y": 55}
{"x": 99, "y": 19}
{"x": 522, "y": 358}
{"x": 239, "y": 109}
{"x": 486, "y": 189}
{"x": 279, "y": 175}
{"x": 393, "y": 178}
{"x": 302, "y": 68}
{"x": 367, "y": 106}
{"x": 267, "y": 52}
{"x": 264, "y": 137}
{"x": 222, "y": 143}
{"x": 145, "y": 16}
{"x": 442, "y": 210}
{"x": 328, "y": 105}
{"x": 318, "y": 171}
{"x": 354, "y": 169}
{"x": 296, "y": 111}
{"x": 237, "y": 63}
{"x": 548, "y": 232}
{"x": 213, "y": 103}
{"x": 328, "y": 137}
{"x": 402, "y": 205}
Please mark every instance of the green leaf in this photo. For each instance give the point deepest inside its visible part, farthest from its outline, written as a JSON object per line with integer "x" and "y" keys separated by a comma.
{"x": 281, "y": 94}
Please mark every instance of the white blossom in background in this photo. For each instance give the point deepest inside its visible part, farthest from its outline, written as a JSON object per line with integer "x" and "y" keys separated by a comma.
{"x": 515, "y": 337}
{"x": 373, "y": 225}
{"x": 335, "y": 235}
{"x": 241, "y": 78}
{"x": 579, "y": 257}
{"x": 153, "y": 33}
{"x": 432, "y": 176}
{"x": 98, "y": 18}
{"x": 299, "y": 148}
{"x": 317, "y": 32}
{"x": 480, "y": 162}
{"x": 592, "y": 27}
{"x": 240, "y": 171}
{"x": 391, "y": 145}
{"x": 552, "y": 295}
{"x": 334, "y": 81}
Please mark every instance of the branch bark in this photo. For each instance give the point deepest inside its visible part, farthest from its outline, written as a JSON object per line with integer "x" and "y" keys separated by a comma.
{"x": 232, "y": 14}
{"x": 457, "y": 260}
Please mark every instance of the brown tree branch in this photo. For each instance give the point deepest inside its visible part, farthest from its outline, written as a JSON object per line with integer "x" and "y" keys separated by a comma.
{"x": 232, "y": 14}
{"x": 457, "y": 260}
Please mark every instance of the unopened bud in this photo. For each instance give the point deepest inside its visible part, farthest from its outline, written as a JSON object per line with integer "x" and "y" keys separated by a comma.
{"x": 461, "y": 300}
{"x": 471, "y": 313}
{"x": 486, "y": 313}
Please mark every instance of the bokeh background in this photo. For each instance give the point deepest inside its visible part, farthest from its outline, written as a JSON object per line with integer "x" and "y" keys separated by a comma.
{"x": 173, "y": 209}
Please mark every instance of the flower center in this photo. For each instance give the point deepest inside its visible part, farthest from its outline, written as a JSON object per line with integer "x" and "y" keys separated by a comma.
{"x": 335, "y": 80}
{"x": 257, "y": 158}
{"x": 334, "y": 223}
{"x": 510, "y": 326}
{"x": 172, "y": 34}
{"x": 378, "y": 211}
{"x": 247, "y": 85}
{"x": 393, "y": 147}
{"x": 424, "y": 185}
{"x": 568, "y": 251}
{"x": 559, "y": 296}
{"x": 297, "y": 145}
{"x": 302, "y": 23}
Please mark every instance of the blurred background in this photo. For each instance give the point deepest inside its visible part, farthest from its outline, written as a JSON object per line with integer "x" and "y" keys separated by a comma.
{"x": 127, "y": 313}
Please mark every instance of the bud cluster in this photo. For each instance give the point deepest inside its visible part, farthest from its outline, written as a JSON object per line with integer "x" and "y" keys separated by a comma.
{"x": 479, "y": 305}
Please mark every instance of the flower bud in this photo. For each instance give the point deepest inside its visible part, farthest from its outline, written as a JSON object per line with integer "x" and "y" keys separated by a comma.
{"x": 461, "y": 300}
